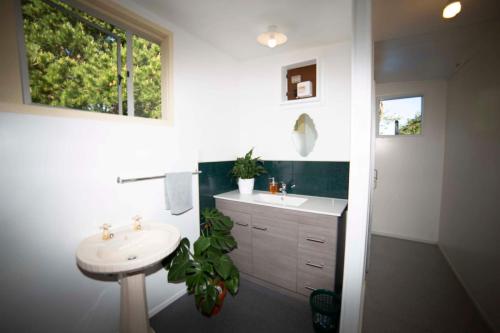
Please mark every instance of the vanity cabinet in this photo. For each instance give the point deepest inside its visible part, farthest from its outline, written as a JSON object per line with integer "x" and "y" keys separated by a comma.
{"x": 242, "y": 255}
{"x": 292, "y": 250}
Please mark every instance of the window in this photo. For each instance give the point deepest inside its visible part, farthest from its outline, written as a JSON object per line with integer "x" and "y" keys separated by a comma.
{"x": 78, "y": 61}
{"x": 400, "y": 116}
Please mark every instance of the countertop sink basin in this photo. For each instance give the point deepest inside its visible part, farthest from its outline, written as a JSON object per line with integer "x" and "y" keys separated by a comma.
{"x": 279, "y": 199}
{"x": 129, "y": 250}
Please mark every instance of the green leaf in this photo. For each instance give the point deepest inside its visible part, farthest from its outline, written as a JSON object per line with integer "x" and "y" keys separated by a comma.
{"x": 213, "y": 253}
{"x": 178, "y": 257}
{"x": 202, "y": 244}
{"x": 197, "y": 283}
{"x": 247, "y": 167}
{"x": 233, "y": 282}
{"x": 224, "y": 242}
{"x": 224, "y": 266}
{"x": 177, "y": 272}
{"x": 184, "y": 244}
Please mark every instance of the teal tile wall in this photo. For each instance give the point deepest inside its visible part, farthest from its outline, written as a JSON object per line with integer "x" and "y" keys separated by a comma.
{"x": 326, "y": 179}
{"x": 214, "y": 179}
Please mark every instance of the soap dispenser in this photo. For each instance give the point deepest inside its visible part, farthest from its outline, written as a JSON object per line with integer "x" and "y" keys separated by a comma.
{"x": 273, "y": 186}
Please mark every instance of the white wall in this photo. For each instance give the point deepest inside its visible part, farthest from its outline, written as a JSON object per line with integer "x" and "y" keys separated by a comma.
{"x": 267, "y": 125}
{"x": 58, "y": 184}
{"x": 470, "y": 229}
{"x": 407, "y": 199}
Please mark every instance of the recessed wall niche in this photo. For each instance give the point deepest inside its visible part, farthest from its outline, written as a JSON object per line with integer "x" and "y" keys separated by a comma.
{"x": 300, "y": 82}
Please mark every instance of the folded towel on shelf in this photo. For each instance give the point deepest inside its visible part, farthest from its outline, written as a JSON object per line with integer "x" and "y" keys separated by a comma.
{"x": 178, "y": 192}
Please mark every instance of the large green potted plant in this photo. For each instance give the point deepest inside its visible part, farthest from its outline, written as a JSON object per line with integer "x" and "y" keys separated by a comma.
{"x": 245, "y": 169}
{"x": 208, "y": 271}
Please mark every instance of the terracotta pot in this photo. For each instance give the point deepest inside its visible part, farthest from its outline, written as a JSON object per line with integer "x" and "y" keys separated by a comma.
{"x": 221, "y": 288}
{"x": 222, "y": 292}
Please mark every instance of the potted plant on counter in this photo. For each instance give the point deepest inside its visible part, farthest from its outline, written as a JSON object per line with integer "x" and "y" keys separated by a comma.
{"x": 245, "y": 169}
{"x": 209, "y": 273}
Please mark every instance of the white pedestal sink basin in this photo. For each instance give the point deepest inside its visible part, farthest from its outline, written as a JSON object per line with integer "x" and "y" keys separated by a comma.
{"x": 128, "y": 254}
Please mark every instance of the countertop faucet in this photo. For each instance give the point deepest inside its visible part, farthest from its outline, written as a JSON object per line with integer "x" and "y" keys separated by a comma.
{"x": 283, "y": 188}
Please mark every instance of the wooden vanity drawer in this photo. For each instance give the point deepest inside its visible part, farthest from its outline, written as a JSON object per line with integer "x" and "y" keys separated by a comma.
{"x": 233, "y": 206}
{"x": 274, "y": 213}
{"x": 316, "y": 263}
{"x": 318, "y": 220}
{"x": 318, "y": 239}
{"x": 307, "y": 282}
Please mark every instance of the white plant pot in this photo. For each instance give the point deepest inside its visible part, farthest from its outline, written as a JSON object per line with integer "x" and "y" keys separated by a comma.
{"x": 246, "y": 185}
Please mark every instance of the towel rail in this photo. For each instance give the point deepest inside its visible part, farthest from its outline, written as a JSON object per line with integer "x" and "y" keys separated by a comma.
{"x": 131, "y": 180}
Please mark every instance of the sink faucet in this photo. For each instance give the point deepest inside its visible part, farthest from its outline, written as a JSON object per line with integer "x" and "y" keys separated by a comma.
{"x": 137, "y": 223}
{"x": 106, "y": 235}
{"x": 283, "y": 188}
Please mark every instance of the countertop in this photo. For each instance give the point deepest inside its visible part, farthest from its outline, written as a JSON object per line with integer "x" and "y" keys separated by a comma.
{"x": 317, "y": 205}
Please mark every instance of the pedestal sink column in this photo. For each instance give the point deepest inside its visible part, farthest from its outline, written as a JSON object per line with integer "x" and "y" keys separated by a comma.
{"x": 133, "y": 307}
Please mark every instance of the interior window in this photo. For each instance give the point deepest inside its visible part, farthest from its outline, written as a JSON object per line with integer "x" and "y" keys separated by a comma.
{"x": 400, "y": 116}
{"x": 77, "y": 61}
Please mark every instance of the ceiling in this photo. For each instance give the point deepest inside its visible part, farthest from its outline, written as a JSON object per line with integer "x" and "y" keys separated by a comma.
{"x": 233, "y": 25}
{"x": 414, "y": 43}
{"x": 401, "y": 18}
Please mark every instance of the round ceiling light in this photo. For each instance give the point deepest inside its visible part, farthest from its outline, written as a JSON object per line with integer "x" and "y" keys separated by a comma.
{"x": 272, "y": 37}
{"x": 452, "y": 9}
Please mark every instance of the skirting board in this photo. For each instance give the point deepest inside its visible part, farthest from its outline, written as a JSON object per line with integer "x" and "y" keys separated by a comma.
{"x": 462, "y": 282}
{"x": 166, "y": 303}
{"x": 388, "y": 234}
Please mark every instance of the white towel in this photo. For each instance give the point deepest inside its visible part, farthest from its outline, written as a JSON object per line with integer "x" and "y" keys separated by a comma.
{"x": 178, "y": 192}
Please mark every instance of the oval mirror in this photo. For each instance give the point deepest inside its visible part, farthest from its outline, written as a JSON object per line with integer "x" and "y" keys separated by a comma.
{"x": 304, "y": 135}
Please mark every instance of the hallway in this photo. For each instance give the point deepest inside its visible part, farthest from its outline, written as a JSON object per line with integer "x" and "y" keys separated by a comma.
{"x": 411, "y": 288}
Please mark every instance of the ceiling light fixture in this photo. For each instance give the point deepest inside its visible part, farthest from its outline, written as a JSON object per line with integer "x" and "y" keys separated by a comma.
{"x": 452, "y": 9}
{"x": 272, "y": 37}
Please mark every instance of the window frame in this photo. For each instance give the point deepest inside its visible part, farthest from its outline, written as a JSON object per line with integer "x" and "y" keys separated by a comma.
{"x": 381, "y": 98}
{"x": 164, "y": 43}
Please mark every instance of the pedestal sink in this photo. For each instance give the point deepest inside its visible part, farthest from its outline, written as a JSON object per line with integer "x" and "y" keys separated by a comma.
{"x": 128, "y": 254}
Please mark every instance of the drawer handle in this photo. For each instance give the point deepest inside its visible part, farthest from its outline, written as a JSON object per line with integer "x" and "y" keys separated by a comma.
{"x": 320, "y": 266}
{"x": 315, "y": 240}
{"x": 259, "y": 228}
{"x": 309, "y": 288}
{"x": 242, "y": 224}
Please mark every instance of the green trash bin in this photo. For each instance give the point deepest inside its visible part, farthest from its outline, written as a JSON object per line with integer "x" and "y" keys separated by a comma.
{"x": 325, "y": 306}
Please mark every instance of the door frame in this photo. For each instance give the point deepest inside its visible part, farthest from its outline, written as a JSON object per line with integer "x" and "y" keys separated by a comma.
{"x": 361, "y": 167}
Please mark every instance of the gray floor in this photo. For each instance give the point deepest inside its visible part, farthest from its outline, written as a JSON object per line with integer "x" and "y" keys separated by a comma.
{"x": 255, "y": 309}
{"x": 411, "y": 288}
